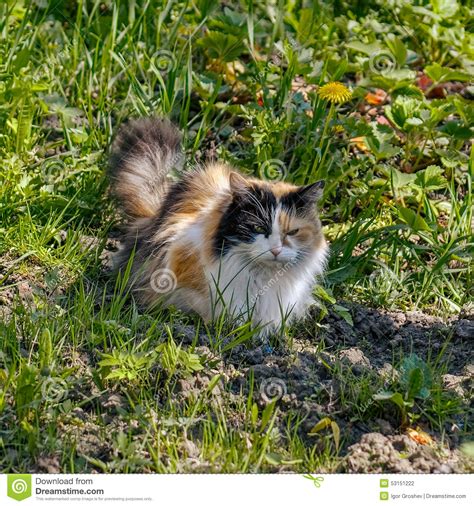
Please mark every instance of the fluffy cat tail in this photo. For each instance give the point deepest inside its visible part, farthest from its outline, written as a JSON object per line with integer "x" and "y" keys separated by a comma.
{"x": 142, "y": 155}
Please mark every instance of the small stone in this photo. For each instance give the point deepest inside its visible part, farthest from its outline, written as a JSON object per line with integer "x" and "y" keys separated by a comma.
{"x": 444, "y": 469}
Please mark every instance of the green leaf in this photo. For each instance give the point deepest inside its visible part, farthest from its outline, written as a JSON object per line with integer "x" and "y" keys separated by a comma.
{"x": 457, "y": 130}
{"x": 397, "y": 48}
{"x": 322, "y": 294}
{"x": 344, "y": 313}
{"x": 440, "y": 74}
{"x": 368, "y": 49}
{"x": 403, "y": 109}
{"x": 414, "y": 220}
{"x": 415, "y": 383}
{"x": 274, "y": 459}
{"x": 431, "y": 178}
{"x": 400, "y": 180}
{"x": 415, "y": 376}
{"x": 408, "y": 91}
{"x": 395, "y": 397}
{"x": 222, "y": 46}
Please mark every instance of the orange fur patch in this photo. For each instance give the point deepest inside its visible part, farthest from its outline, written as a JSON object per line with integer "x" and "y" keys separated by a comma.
{"x": 188, "y": 269}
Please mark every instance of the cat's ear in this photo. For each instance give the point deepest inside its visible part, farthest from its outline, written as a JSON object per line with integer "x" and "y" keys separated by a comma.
{"x": 308, "y": 195}
{"x": 238, "y": 184}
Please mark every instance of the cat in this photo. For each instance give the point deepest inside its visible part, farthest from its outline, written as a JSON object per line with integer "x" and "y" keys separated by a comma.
{"x": 215, "y": 241}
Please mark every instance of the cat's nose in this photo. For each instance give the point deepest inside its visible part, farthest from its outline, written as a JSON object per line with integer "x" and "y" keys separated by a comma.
{"x": 276, "y": 251}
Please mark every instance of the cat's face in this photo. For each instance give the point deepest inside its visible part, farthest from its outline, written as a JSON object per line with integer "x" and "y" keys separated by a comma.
{"x": 271, "y": 224}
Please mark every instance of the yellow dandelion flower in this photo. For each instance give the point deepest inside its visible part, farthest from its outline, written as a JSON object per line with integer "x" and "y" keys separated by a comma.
{"x": 335, "y": 92}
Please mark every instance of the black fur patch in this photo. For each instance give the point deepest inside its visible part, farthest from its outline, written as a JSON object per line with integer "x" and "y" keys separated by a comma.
{"x": 304, "y": 198}
{"x": 254, "y": 208}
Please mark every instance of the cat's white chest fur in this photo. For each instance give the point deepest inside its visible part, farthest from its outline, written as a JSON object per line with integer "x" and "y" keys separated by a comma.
{"x": 267, "y": 294}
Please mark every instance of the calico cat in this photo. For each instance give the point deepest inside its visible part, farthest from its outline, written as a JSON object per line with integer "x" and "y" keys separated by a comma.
{"x": 215, "y": 240}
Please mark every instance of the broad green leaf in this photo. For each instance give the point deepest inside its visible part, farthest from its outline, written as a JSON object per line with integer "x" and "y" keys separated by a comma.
{"x": 400, "y": 180}
{"x": 395, "y": 397}
{"x": 415, "y": 383}
{"x": 222, "y": 46}
{"x": 368, "y": 49}
{"x": 440, "y": 74}
{"x": 415, "y": 376}
{"x": 431, "y": 178}
{"x": 414, "y": 220}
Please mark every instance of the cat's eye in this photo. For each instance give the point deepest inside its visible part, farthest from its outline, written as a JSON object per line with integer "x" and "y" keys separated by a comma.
{"x": 259, "y": 229}
{"x": 293, "y": 232}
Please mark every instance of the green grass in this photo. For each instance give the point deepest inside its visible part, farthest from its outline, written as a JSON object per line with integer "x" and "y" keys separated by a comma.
{"x": 241, "y": 82}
